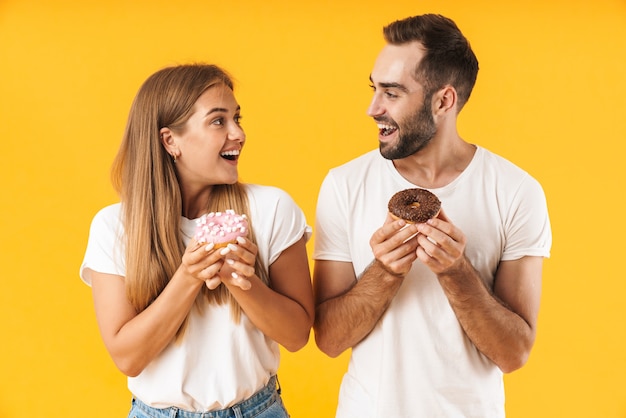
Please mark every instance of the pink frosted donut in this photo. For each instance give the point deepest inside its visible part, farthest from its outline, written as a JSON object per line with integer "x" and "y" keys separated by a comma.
{"x": 221, "y": 228}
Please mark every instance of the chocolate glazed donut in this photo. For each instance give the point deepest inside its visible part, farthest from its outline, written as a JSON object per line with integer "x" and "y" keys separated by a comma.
{"x": 414, "y": 205}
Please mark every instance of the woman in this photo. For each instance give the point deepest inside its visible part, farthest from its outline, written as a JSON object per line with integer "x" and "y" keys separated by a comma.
{"x": 194, "y": 328}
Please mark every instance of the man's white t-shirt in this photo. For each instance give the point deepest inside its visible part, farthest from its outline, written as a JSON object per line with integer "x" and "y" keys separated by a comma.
{"x": 417, "y": 361}
{"x": 218, "y": 362}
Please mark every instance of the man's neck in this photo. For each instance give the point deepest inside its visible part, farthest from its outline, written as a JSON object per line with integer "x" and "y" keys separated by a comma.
{"x": 438, "y": 164}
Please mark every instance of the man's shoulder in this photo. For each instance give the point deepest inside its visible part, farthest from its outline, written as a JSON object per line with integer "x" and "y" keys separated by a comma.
{"x": 499, "y": 163}
{"x": 363, "y": 162}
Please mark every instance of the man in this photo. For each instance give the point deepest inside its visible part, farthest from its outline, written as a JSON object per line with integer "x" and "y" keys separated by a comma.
{"x": 435, "y": 313}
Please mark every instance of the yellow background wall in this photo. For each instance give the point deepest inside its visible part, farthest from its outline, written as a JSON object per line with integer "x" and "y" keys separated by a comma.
{"x": 551, "y": 97}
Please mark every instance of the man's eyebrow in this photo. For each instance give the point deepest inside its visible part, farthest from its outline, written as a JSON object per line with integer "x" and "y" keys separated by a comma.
{"x": 392, "y": 85}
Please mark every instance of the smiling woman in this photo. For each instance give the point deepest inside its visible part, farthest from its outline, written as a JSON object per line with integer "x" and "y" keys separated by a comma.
{"x": 182, "y": 344}
{"x": 207, "y": 147}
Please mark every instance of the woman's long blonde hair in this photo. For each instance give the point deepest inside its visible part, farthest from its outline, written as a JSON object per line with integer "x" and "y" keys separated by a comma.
{"x": 144, "y": 175}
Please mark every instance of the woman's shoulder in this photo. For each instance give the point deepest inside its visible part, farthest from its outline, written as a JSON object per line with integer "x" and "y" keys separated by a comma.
{"x": 107, "y": 216}
{"x": 265, "y": 192}
{"x": 267, "y": 199}
{"x": 109, "y": 212}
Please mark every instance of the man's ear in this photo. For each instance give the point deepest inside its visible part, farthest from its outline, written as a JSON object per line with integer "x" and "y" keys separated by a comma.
{"x": 445, "y": 100}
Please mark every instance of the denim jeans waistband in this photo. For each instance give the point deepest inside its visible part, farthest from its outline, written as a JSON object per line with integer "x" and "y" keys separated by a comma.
{"x": 250, "y": 407}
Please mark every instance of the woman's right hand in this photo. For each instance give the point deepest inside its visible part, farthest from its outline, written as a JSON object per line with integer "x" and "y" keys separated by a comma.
{"x": 202, "y": 262}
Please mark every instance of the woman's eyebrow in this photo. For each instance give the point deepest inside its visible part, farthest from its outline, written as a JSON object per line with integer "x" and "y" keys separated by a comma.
{"x": 221, "y": 109}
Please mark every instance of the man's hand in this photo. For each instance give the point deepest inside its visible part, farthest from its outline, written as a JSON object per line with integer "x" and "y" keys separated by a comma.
{"x": 394, "y": 246}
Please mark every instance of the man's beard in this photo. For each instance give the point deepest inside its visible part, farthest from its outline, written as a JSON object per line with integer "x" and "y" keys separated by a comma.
{"x": 414, "y": 134}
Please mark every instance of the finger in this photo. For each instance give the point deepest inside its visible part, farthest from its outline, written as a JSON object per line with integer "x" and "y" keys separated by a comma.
{"x": 210, "y": 271}
{"x": 251, "y": 248}
{"x": 248, "y": 245}
{"x": 240, "y": 282}
{"x": 399, "y": 259}
{"x": 193, "y": 244}
{"x": 240, "y": 253}
{"x": 393, "y": 234}
{"x": 442, "y": 215}
{"x": 440, "y": 232}
{"x": 390, "y": 218}
{"x": 213, "y": 282}
{"x": 432, "y": 235}
{"x": 401, "y": 265}
{"x": 195, "y": 254}
{"x": 446, "y": 226}
{"x": 430, "y": 246}
{"x": 384, "y": 232}
{"x": 401, "y": 244}
{"x": 243, "y": 269}
{"x": 427, "y": 258}
{"x": 228, "y": 249}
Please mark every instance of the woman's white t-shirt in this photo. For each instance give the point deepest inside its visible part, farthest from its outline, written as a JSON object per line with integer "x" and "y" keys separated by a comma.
{"x": 218, "y": 362}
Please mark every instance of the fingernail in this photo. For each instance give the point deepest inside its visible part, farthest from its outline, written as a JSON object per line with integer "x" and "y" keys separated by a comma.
{"x": 232, "y": 247}
{"x": 241, "y": 240}
{"x": 234, "y": 275}
{"x": 225, "y": 251}
{"x": 230, "y": 261}
{"x": 209, "y": 247}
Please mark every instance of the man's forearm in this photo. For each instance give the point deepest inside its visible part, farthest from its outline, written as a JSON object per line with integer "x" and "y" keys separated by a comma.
{"x": 498, "y": 332}
{"x": 343, "y": 321}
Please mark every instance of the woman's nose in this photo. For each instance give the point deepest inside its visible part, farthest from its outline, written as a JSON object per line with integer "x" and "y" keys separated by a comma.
{"x": 236, "y": 133}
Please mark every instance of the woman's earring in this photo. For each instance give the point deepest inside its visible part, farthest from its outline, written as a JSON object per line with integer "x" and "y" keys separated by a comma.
{"x": 174, "y": 157}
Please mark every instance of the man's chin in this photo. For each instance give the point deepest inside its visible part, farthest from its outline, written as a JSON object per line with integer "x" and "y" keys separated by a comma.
{"x": 389, "y": 151}
{"x": 384, "y": 150}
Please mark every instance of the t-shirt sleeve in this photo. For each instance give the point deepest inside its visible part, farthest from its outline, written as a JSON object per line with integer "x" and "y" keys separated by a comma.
{"x": 288, "y": 227}
{"x": 104, "y": 253}
{"x": 528, "y": 224}
{"x": 331, "y": 223}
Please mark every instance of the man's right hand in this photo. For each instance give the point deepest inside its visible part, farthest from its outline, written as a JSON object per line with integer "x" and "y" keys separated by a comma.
{"x": 394, "y": 246}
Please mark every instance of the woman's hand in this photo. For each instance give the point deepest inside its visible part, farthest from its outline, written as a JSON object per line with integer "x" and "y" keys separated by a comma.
{"x": 203, "y": 262}
{"x": 238, "y": 264}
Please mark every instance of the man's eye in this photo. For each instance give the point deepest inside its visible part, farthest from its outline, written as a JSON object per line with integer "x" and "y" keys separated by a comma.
{"x": 372, "y": 87}
{"x": 391, "y": 95}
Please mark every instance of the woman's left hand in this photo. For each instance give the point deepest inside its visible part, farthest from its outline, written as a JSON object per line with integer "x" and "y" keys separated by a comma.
{"x": 238, "y": 263}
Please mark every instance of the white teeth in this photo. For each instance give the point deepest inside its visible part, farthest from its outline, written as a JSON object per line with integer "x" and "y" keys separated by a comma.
{"x": 230, "y": 153}
{"x": 383, "y": 126}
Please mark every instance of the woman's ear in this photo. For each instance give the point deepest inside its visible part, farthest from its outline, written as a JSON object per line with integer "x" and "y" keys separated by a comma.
{"x": 168, "y": 142}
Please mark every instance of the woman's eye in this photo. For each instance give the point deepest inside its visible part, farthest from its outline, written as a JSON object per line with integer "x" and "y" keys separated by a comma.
{"x": 218, "y": 121}
{"x": 238, "y": 119}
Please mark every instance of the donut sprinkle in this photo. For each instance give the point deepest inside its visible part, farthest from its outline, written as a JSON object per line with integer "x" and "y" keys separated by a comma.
{"x": 414, "y": 205}
{"x": 221, "y": 227}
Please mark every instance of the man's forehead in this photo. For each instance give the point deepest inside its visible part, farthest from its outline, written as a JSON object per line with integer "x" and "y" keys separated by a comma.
{"x": 396, "y": 63}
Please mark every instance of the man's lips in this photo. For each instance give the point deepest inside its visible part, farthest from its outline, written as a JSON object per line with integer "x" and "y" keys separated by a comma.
{"x": 385, "y": 129}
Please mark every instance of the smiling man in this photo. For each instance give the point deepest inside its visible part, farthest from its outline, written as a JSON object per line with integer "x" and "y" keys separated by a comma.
{"x": 434, "y": 313}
